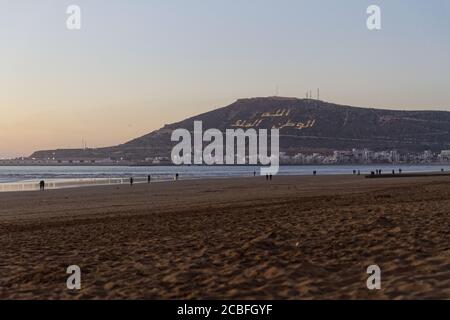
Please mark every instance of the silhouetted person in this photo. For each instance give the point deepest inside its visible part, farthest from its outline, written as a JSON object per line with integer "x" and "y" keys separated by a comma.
{"x": 42, "y": 185}
{"x": 131, "y": 181}
{"x": 270, "y": 177}
{"x": 315, "y": 172}
{"x": 372, "y": 173}
{"x": 177, "y": 176}
{"x": 359, "y": 172}
{"x": 393, "y": 172}
{"x": 254, "y": 173}
{"x": 149, "y": 178}
{"x": 354, "y": 172}
{"x": 267, "y": 177}
{"x": 400, "y": 171}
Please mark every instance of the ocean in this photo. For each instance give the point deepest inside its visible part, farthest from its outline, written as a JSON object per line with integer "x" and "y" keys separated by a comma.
{"x": 26, "y": 178}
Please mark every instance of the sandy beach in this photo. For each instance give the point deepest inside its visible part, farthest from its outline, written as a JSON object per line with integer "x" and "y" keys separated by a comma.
{"x": 291, "y": 238}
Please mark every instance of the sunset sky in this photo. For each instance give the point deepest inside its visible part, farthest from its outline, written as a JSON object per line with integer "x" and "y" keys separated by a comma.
{"x": 136, "y": 65}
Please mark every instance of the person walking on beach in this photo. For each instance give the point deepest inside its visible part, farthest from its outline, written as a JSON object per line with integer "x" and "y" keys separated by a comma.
{"x": 254, "y": 173}
{"x": 131, "y": 181}
{"x": 42, "y": 185}
{"x": 270, "y": 177}
{"x": 149, "y": 178}
{"x": 267, "y": 177}
{"x": 315, "y": 173}
{"x": 176, "y": 177}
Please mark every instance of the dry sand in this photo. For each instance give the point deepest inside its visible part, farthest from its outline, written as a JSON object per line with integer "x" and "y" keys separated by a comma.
{"x": 292, "y": 238}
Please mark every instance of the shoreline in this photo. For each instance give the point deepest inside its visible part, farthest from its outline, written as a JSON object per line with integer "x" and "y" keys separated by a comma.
{"x": 408, "y": 175}
{"x": 169, "y": 164}
{"x": 65, "y": 183}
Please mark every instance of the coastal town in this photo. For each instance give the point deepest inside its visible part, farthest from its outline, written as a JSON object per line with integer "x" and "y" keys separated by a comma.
{"x": 366, "y": 156}
{"x": 338, "y": 157}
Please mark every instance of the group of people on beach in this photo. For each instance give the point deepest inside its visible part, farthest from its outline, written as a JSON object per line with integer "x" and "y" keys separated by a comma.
{"x": 149, "y": 179}
{"x": 378, "y": 172}
{"x": 268, "y": 176}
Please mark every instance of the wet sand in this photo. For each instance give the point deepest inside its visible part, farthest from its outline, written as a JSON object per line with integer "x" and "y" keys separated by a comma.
{"x": 291, "y": 238}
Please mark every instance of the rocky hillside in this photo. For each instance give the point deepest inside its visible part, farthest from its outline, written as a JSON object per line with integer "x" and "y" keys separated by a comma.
{"x": 305, "y": 125}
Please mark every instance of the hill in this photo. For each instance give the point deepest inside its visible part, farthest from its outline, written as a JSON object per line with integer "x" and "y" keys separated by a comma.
{"x": 306, "y": 125}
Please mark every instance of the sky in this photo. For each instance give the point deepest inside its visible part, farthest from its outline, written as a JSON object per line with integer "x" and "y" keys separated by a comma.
{"x": 136, "y": 65}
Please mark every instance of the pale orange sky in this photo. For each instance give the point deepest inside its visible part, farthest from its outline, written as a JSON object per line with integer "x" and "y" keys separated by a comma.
{"x": 137, "y": 65}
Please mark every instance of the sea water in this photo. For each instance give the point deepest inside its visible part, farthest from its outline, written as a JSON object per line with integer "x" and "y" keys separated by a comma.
{"x": 26, "y": 178}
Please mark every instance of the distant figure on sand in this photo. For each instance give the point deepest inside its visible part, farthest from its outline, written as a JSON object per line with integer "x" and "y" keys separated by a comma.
{"x": 131, "y": 181}
{"x": 267, "y": 177}
{"x": 176, "y": 177}
{"x": 400, "y": 171}
{"x": 254, "y": 173}
{"x": 315, "y": 172}
{"x": 359, "y": 172}
{"x": 393, "y": 172}
{"x": 42, "y": 185}
{"x": 270, "y": 177}
{"x": 149, "y": 178}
